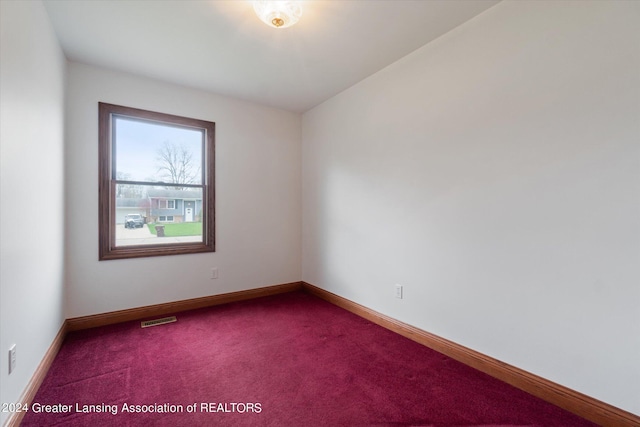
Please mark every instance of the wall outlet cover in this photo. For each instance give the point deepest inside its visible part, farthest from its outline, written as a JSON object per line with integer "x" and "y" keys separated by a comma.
{"x": 399, "y": 291}
{"x": 12, "y": 358}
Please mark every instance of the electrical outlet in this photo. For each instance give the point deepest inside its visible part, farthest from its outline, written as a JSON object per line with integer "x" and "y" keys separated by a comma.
{"x": 12, "y": 358}
{"x": 398, "y": 291}
{"x": 214, "y": 273}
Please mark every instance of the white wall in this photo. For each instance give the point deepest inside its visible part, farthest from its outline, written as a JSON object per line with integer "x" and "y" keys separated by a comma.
{"x": 32, "y": 81}
{"x": 258, "y": 201}
{"x": 495, "y": 174}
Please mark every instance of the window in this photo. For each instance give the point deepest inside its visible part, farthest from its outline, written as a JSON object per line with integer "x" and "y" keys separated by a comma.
{"x": 167, "y": 204}
{"x": 154, "y": 162}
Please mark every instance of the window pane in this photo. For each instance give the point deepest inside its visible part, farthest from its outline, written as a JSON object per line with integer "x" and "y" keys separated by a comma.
{"x": 144, "y": 216}
{"x": 156, "y": 152}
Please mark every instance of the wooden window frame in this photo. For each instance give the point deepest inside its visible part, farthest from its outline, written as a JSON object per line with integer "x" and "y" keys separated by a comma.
{"x": 107, "y": 181}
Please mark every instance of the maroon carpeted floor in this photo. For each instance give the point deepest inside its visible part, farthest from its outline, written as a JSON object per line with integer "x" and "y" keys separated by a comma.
{"x": 286, "y": 360}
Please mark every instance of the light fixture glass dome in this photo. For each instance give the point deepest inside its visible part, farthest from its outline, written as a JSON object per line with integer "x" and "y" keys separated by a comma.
{"x": 278, "y": 14}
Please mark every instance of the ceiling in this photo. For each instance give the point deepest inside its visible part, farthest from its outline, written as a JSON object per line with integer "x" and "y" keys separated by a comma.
{"x": 222, "y": 46}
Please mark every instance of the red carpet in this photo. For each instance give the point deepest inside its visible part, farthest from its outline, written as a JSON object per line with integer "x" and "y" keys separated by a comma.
{"x": 286, "y": 360}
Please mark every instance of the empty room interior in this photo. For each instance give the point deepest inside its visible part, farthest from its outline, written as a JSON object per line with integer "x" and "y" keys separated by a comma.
{"x": 366, "y": 182}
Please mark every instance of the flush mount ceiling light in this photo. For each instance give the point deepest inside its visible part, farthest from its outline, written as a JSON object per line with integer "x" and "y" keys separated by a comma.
{"x": 278, "y": 14}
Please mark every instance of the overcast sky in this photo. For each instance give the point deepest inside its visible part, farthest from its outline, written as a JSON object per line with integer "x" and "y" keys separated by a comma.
{"x": 137, "y": 144}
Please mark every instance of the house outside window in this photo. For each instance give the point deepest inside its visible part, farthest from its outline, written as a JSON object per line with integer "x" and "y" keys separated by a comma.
{"x": 161, "y": 167}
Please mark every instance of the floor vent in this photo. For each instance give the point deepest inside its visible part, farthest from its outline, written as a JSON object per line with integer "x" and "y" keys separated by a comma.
{"x": 157, "y": 322}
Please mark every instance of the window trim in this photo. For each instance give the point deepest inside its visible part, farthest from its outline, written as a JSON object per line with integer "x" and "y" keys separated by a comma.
{"x": 106, "y": 186}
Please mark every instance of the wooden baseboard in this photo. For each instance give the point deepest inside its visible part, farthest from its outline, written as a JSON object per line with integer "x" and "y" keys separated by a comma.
{"x": 571, "y": 400}
{"x": 30, "y": 391}
{"x": 139, "y": 313}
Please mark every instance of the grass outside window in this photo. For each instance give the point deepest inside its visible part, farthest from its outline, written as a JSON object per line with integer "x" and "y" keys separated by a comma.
{"x": 178, "y": 229}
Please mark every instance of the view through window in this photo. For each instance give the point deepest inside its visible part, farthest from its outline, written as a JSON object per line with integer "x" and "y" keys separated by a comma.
{"x": 156, "y": 183}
